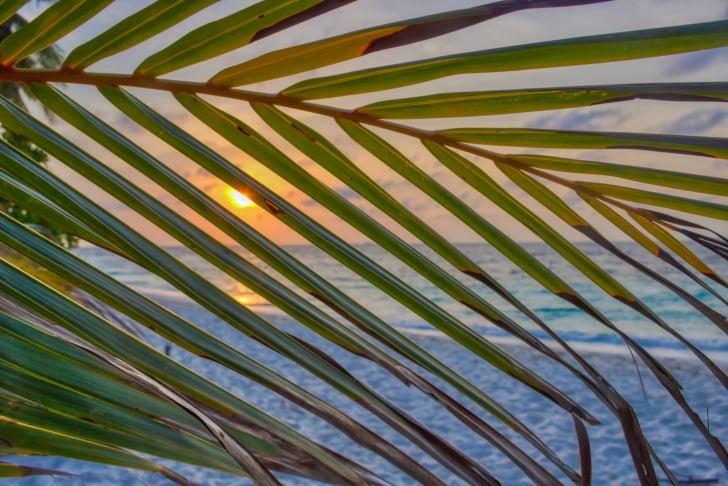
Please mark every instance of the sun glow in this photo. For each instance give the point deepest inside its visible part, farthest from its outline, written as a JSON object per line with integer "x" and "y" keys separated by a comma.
{"x": 239, "y": 199}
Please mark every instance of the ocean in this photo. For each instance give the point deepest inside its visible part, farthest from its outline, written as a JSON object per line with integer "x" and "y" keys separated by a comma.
{"x": 571, "y": 323}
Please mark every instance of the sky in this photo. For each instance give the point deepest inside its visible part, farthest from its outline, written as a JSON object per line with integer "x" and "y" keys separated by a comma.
{"x": 704, "y": 119}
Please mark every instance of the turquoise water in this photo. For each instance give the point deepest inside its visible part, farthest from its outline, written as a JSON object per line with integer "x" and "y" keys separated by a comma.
{"x": 568, "y": 321}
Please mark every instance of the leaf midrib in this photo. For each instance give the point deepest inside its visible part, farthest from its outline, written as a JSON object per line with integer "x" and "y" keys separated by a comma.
{"x": 173, "y": 86}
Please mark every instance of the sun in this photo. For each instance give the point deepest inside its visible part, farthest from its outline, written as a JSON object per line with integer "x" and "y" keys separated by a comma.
{"x": 238, "y": 198}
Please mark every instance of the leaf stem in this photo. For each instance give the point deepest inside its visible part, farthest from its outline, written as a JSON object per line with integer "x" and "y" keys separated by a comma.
{"x": 28, "y": 76}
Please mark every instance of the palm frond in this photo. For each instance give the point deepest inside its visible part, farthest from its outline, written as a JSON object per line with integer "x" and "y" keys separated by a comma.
{"x": 61, "y": 357}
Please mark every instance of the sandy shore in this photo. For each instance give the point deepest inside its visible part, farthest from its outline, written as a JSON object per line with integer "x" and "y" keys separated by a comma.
{"x": 669, "y": 431}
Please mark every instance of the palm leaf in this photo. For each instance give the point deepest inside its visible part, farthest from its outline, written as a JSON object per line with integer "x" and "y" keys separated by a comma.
{"x": 236, "y": 30}
{"x": 133, "y": 30}
{"x": 664, "y": 178}
{"x": 310, "y": 56}
{"x": 57, "y": 21}
{"x": 450, "y": 105}
{"x": 701, "y": 208}
{"x": 568, "y": 52}
{"x": 18, "y": 471}
{"x": 703, "y": 146}
{"x": 60, "y": 357}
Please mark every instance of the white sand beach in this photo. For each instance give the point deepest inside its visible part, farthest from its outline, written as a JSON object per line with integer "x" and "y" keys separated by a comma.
{"x": 667, "y": 428}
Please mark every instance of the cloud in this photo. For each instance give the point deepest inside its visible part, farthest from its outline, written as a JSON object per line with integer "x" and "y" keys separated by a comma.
{"x": 348, "y": 193}
{"x": 308, "y": 202}
{"x": 690, "y": 63}
{"x": 126, "y": 125}
{"x": 696, "y": 122}
{"x": 393, "y": 184}
{"x": 607, "y": 118}
{"x": 417, "y": 204}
